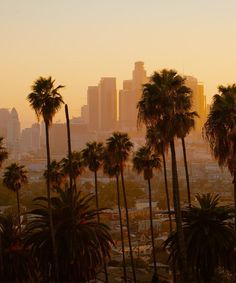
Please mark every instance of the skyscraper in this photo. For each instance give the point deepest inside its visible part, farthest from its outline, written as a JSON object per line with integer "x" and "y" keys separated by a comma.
{"x": 13, "y": 134}
{"x": 93, "y": 111}
{"x": 199, "y": 101}
{"x": 107, "y": 104}
{"x": 129, "y": 97}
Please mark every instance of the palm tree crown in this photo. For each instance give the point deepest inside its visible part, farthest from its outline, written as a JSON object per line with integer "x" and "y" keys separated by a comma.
{"x": 45, "y": 99}
{"x": 93, "y": 155}
{"x": 81, "y": 244}
{"x": 145, "y": 161}
{"x": 55, "y": 174}
{"x": 15, "y": 176}
{"x": 120, "y": 146}
{"x": 209, "y": 236}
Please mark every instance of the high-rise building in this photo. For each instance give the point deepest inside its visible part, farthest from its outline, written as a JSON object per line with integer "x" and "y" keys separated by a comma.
{"x": 92, "y": 102}
{"x": 199, "y": 101}
{"x": 129, "y": 97}
{"x": 84, "y": 114}
{"x": 107, "y": 104}
{"x": 13, "y": 134}
{"x": 4, "y": 118}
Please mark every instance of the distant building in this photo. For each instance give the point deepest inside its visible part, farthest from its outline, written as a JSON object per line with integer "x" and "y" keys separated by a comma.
{"x": 107, "y": 104}
{"x": 13, "y": 134}
{"x": 4, "y": 118}
{"x": 93, "y": 109}
{"x": 30, "y": 139}
{"x": 129, "y": 97}
{"x": 199, "y": 101}
{"x": 84, "y": 114}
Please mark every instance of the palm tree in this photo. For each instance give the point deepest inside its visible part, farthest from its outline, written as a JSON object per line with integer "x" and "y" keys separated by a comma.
{"x": 93, "y": 156}
{"x": 160, "y": 106}
{"x": 76, "y": 168}
{"x": 17, "y": 264}
{"x": 119, "y": 145}
{"x": 184, "y": 122}
{"x": 46, "y": 100}
{"x": 219, "y": 130}
{"x": 56, "y": 175}
{"x": 209, "y": 236}
{"x": 112, "y": 170}
{"x": 13, "y": 178}
{"x": 81, "y": 245}
{"x": 3, "y": 152}
{"x": 145, "y": 161}
{"x": 153, "y": 138}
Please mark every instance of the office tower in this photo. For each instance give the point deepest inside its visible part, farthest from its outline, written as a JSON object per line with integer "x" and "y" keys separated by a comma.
{"x": 199, "y": 101}
{"x": 129, "y": 97}
{"x": 107, "y": 104}
{"x": 13, "y": 134}
{"x": 4, "y": 118}
{"x": 84, "y": 114}
{"x": 92, "y": 101}
{"x": 35, "y": 130}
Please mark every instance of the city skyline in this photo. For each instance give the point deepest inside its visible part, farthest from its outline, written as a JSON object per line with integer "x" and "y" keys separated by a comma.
{"x": 88, "y": 40}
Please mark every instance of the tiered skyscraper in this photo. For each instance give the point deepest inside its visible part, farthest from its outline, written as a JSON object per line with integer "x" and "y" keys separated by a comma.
{"x": 129, "y": 97}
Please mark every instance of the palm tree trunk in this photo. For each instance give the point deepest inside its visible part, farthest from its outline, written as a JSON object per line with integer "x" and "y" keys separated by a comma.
{"x": 69, "y": 145}
{"x": 127, "y": 221}
{"x": 166, "y": 189}
{"x": 151, "y": 226}
{"x": 18, "y": 210}
{"x": 235, "y": 199}
{"x": 178, "y": 218}
{"x": 98, "y": 219}
{"x": 121, "y": 227}
{"x": 186, "y": 171}
{"x": 54, "y": 247}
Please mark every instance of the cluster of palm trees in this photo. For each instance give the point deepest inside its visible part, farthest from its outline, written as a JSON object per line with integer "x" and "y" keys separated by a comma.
{"x": 64, "y": 240}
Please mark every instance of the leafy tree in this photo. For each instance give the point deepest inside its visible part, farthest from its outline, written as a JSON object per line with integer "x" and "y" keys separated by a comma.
{"x": 209, "y": 236}
{"x": 145, "y": 161}
{"x": 119, "y": 146}
{"x": 46, "y": 100}
{"x": 81, "y": 245}
{"x": 13, "y": 178}
{"x": 219, "y": 130}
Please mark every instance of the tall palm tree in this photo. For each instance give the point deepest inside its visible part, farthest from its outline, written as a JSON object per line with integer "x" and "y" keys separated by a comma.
{"x": 80, "y": 253}
{"x": 46, "y": 100}
{"x": 93, "y": 157}
{"x": 159, "y": 105}
{"x": 153, "y": 138}
{"x": 119, "y": 145}
{"x": 112, "y": 170}
{"x": 145, "y": 161}
{"x": 76, "y": 168}
{"x": 3, "y": 152}
{"x": 209, "y": 235}
{"x": 184, "y": 122}
{"x": 13, "y": 178}
{"x": 219, "y": 130}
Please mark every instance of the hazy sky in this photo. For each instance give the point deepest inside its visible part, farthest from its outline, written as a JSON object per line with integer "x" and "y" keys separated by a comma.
{"x": 79, "y": 41}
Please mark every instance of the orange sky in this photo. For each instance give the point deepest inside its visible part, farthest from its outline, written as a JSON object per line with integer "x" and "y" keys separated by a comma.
{"x": 77, "y": 42}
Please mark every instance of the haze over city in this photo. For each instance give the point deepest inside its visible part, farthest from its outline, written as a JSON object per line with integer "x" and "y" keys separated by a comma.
{"x": 78, "y": 42}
